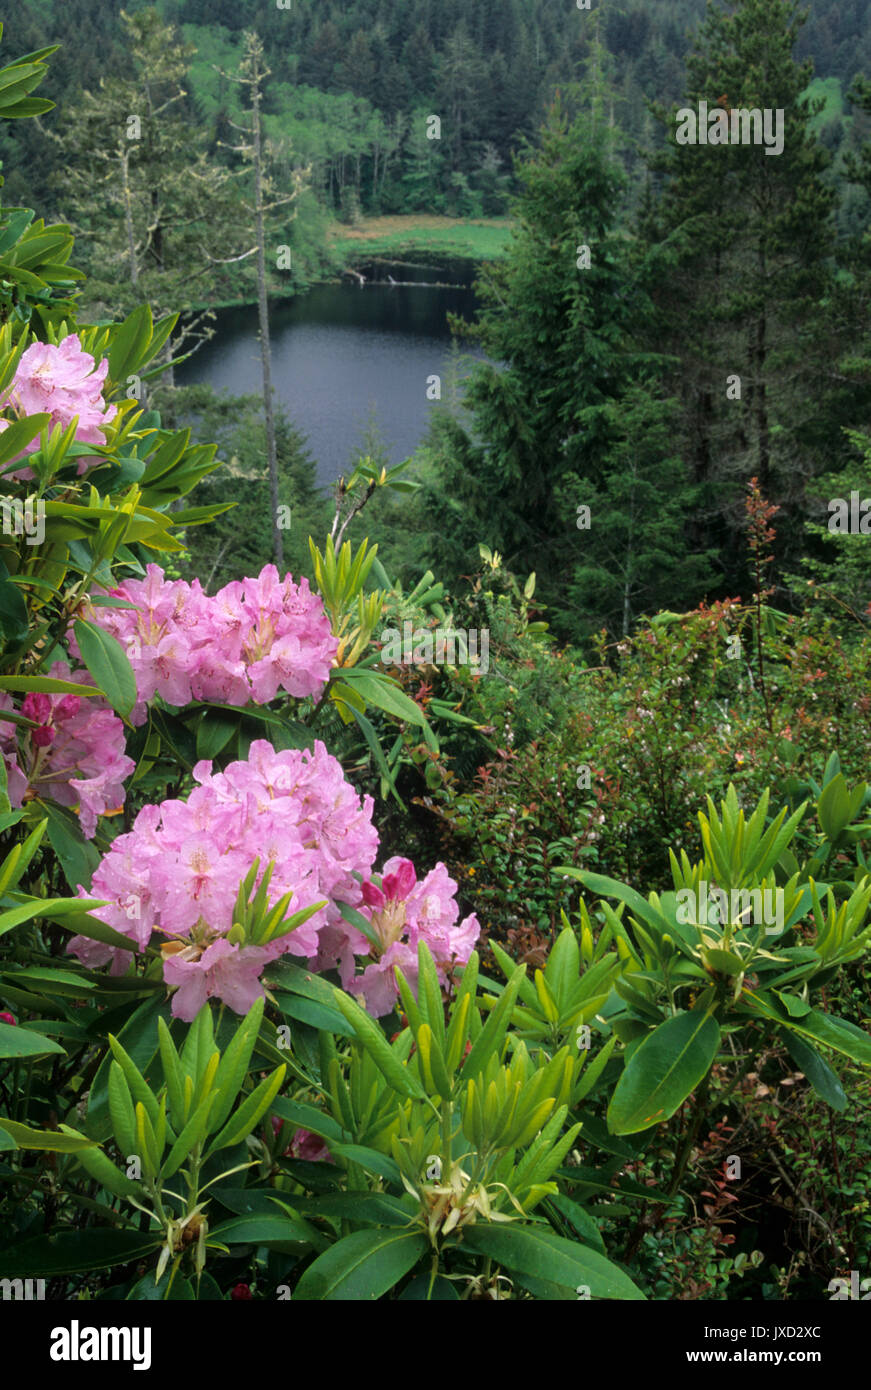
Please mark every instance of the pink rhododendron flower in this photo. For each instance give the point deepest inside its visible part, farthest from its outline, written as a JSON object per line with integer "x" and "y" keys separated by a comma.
{"x": 402, "y": 913}
{"x": 65, "y": 383}
{"x": 254, "y": 638}
{"x": 231, "y": 973}
{"x": 75, "y": 756}
{"x": 10, "y": 1019}
{"x": 177, "y": 872}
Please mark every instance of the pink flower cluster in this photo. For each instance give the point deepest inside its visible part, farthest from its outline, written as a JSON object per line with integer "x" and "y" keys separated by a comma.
{"x": 75, "y": 756}
{"x": 254, "y": 638}
{"x": 65, "y": 383}
{"x": 178, "y": 870}
{"x": 404, "y": 912}
{"x": 177, "y": 873}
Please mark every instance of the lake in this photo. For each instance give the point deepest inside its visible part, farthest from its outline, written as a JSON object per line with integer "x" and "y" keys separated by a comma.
{"x": 342, "y": 351}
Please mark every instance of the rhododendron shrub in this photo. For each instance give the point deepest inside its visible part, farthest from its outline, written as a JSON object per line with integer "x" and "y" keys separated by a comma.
{"x": 75, "y": 755}
{"x": 65, "y": 383}
{"x": 252, "y": 639}
{"x": 176, "y": 874}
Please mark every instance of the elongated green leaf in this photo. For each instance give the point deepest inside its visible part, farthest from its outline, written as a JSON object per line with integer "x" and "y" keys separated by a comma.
{"x": 109, "y": 665}
{"x": 276, "y": 1230}
{"x": 663, "y": 1071}
{"x": 836, "y": 1033}
{"x": 363, "y": 1266}
{"x": 395, "y": 1073}
{"x": 539, "y": 1253}
{"x": 74, "y": 1252}
{"x": 818, "y": 1072}
{"x": 53, "y": 1140}
{"x": 250, "y": 1111}
{"x": 383, "y": 693}
{"x": 20, "y": 1042}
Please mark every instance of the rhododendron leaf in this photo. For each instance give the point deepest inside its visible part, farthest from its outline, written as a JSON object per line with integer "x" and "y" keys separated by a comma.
{"x": 240, "y": 1125}
{"x": 49, "y": 684}
{"x": 356, "y": 919}
{"x": 429, "y": 995}
{"x": 199, "y": 1045}
{"x": 21, "y": 1042}
{"x": 121, "y": 1111}
{"x": 364, "y": 1265}
{"x": 35, "y": 907}
{"x": 535, "y": 1251}
{"x": 101, "y": 1168}
{"x": 75, "y": 1252}
{"x": 139, "y": 1036}
{"x": 824, "y": 1080}
{"x": 172, "y": 1072}
{"x": 371, "y": 1036}
{"x": 139, "y": 1088}
{"x": 48, "y": 1139}
{"x": 284, "y": 1231}
{"x": 489, "y": 1041}
{"x": 309, "y": 1117}
{"x": 233, "y": 1066}
{"x": 191, "y": 1135}
{"x": 109, "y": 665}
{"x": 665, "y": 1069}
{"x": 432, "y": 1064}
{"x": 379, "y": 690}
{"x": 129, "y": 342}
{"x": 82, "y": 924}
{"x": 13, "y": 615}
{"x": 312, "y": 1012}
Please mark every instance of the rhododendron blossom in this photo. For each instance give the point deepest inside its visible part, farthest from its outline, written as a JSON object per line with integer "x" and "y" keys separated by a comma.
{"x": 75, "y": 756}
{"x": 177, "y": 874}
{"x": 254, "y": 638}
{"x": 402, "y": 913}
{"x": 65, "y": 383}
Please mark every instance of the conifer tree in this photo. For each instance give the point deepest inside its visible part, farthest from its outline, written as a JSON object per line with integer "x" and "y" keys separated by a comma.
{"x": 740, "y": 308}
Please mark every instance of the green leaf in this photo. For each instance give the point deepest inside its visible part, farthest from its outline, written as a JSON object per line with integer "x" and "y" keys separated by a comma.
{"x": 20, "y": 1042}
{"x": 240, "y": 1125}
{"x": 53, "y": 1140}
{"x": 146, "y": 1291}
{"x": 836, "y": 1033}
{"x": 109, "y": 665}
{"x": 383, "y": 693}
{"x": 78, "y": 856}
{"x": 50, "y": 684}
{"x": 424, "y": 1289}
{"x": 276, "y": 1230}
{"x": 394, "y": 1071}
{"x": 74, "y": 1252}
{"x": 543, "y": 1255}
{"x": 362, "y": 1266}
{"x": 818, "y": 1072}
{"x": 663, "y": 1071}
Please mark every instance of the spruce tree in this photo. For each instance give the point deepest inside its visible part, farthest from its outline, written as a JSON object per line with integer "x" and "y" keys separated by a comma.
{"x": 740, "y": 307}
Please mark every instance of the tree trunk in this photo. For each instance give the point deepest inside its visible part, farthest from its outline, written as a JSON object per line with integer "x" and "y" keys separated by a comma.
{"x": 128, "y": 218}
{"x": 263, "y": 314}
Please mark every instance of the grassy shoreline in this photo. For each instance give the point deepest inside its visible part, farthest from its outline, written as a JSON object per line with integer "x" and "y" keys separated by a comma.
{"x": 397, "y": 238}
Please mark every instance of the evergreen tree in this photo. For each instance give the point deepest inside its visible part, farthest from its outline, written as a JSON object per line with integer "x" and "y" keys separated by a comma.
{"x": 740, "y": 307}
{"x": 559, "y": 315}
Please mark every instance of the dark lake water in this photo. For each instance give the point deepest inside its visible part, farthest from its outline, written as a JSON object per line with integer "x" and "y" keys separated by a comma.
{"x": 340, "y": 352}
